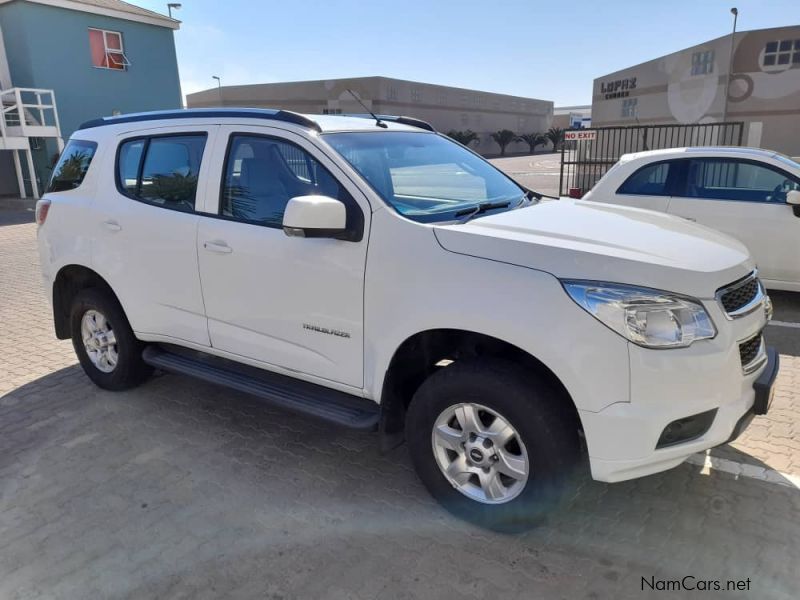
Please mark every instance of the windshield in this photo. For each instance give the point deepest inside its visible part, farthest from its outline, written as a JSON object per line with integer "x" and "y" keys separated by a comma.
{"x": 425, "y": 176}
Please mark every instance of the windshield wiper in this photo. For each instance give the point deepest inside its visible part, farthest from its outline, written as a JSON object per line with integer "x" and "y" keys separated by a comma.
{"x": 469, "y": 213}
{"x": 538, "y": 196}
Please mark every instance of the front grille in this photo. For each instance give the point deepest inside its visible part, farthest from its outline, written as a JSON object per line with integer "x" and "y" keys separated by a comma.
{"x": 738, "y": 295}
{"x": 749, "y": 351}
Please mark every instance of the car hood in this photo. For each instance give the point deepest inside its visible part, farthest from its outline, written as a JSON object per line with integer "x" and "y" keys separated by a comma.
{"x": 588, "y": 240}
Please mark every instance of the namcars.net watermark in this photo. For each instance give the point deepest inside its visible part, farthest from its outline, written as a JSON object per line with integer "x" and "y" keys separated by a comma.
{"x": 690, "y": 583}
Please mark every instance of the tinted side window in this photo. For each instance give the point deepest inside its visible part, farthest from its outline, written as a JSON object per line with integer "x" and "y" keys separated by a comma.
{"x": 162, "y": 170}
{"x": 650, "y": 180}
{"x": 72, "y": 166}
{"x": 726, "y": 179}
{"x": 262, "y": 174}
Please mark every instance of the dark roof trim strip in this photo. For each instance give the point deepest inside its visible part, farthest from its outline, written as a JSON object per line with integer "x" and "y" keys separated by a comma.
{"x": 206, "y": 113}
{"x": 396, "y": 119}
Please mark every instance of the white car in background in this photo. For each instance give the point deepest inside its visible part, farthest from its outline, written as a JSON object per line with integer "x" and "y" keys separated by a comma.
{"x": 748, "y": 193}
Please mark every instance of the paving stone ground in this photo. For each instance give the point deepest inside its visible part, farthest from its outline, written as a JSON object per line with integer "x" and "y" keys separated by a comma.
{"x": 182, "y": 490}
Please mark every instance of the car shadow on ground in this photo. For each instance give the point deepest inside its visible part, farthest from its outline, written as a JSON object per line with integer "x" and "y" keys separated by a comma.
{"x": 783, "y": 333}
{"x": 183, "y": 486}
{"x": 15, "y": 216}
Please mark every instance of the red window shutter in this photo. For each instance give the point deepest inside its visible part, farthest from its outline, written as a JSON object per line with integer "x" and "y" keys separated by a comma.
{"x": 97, "y": 48}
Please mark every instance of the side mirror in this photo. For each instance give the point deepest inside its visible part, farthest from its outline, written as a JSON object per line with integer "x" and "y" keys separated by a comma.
{"x": 315, "y": 216}
{"x": 793, "y": 199}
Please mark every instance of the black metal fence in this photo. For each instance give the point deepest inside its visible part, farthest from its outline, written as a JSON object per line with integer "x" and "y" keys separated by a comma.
{"x": 584, "y": 162}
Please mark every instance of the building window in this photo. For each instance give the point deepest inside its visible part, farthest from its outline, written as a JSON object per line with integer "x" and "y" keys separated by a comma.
{"x": 629, "y": 108}
{"x": 464, "y": 119}
{"x": 392, "y": 93}
{"x": 703, "y": 62}
{"x": 107, "y": 50}
{"x": 442, "y": 98}
{"x": 331, "y": 111}
{"x": 416, "y": 95}
{"x": 782, "y": 52}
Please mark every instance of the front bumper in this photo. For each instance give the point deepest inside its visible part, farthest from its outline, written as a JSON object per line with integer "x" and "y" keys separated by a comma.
{"x": 622, "y": 438}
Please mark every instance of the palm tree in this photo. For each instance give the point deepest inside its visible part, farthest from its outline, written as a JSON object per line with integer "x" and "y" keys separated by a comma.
{"x": 464, "y": 137}
{"x": 533, "y": 140}
{"x": 503, "y": 138}
{"x": 556, "y": 136}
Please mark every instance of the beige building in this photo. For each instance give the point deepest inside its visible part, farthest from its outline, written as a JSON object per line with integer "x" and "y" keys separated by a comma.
{"x": 689, "y": 87}
{"x": 446, "y": 108}
{"x": 572, "y": 117}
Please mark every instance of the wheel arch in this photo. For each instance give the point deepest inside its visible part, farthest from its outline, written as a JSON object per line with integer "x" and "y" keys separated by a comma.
{"x": 70, "y": 280}
{"x": 422, "y": 353}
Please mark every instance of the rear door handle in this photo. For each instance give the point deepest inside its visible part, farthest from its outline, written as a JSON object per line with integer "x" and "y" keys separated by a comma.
{"x": 112, "y": 225}
{"x": 217, "y": 246}
{"x": 688, "y": 218}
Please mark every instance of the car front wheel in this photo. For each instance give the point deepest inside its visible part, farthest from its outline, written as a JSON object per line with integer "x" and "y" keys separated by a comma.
{"x": 492, "y": 443}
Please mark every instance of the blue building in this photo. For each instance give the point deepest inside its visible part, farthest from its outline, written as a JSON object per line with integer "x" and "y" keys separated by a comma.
{"x": 63, "y": 62}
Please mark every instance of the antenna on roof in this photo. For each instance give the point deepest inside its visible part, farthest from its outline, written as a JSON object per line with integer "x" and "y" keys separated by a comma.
{"x": 378, "y": 122}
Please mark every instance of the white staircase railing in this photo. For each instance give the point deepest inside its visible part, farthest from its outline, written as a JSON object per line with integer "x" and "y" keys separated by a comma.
{"x": 28, "y": 112}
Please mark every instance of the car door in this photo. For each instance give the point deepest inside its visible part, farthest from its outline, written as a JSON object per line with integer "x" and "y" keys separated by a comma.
{"x": 146, "y": 230}
{"x": 747, "y": 200}
{"x": 648, "y": 187}
{"x": 291, "y": 302}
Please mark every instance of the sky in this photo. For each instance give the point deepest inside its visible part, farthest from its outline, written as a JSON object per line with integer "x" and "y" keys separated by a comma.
{"x": 540, "y": 49}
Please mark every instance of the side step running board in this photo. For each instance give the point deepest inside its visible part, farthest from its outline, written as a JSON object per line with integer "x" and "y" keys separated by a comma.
{"x": 278, "y": 390}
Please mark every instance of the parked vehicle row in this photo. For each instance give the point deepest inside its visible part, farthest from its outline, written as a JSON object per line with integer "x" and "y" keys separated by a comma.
{"x": 373, "y": 273}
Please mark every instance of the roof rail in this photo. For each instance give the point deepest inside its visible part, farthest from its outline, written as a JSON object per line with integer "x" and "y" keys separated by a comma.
{"x": 269, "y": 114}
{"x": 395, "y": 119}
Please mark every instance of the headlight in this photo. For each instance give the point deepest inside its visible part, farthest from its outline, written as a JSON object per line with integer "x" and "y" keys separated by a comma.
{"x": 649, "y": 318}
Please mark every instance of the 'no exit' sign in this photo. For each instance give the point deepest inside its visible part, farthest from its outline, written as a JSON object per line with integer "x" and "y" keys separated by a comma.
{"x": 580, "y": 134}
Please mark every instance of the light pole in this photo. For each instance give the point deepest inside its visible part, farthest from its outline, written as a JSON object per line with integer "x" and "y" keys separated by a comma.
{"x": 172, "y": 5}
{"x": 735, "y": 13}
{"x": 219, "y": 87}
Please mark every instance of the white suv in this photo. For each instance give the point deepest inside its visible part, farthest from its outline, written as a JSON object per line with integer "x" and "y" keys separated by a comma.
{"x": 375, "y": 274}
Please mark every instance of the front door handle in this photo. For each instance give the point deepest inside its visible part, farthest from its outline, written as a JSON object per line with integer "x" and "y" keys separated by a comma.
{"x": 688, "y": 218}
{"x": 217, "y": 246}
{"x": 112, "y": 225}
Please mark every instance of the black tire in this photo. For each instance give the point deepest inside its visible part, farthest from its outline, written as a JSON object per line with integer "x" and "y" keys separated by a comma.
{"x": 546, "y": 427}
{"x": 130, "y": 370}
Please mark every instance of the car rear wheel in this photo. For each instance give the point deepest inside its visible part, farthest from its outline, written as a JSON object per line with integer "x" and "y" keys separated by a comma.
{"x": 492, "y": 443}
{"x": 103, "y": 340}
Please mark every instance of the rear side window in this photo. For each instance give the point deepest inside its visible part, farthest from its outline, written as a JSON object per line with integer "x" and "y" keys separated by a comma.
{"x": 72, "y": 166}
{"x": 650, "y": 180}
{"x": 162, "y": 170}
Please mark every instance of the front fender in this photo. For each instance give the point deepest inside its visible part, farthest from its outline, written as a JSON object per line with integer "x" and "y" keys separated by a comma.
{"x": 413, "y": 285}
